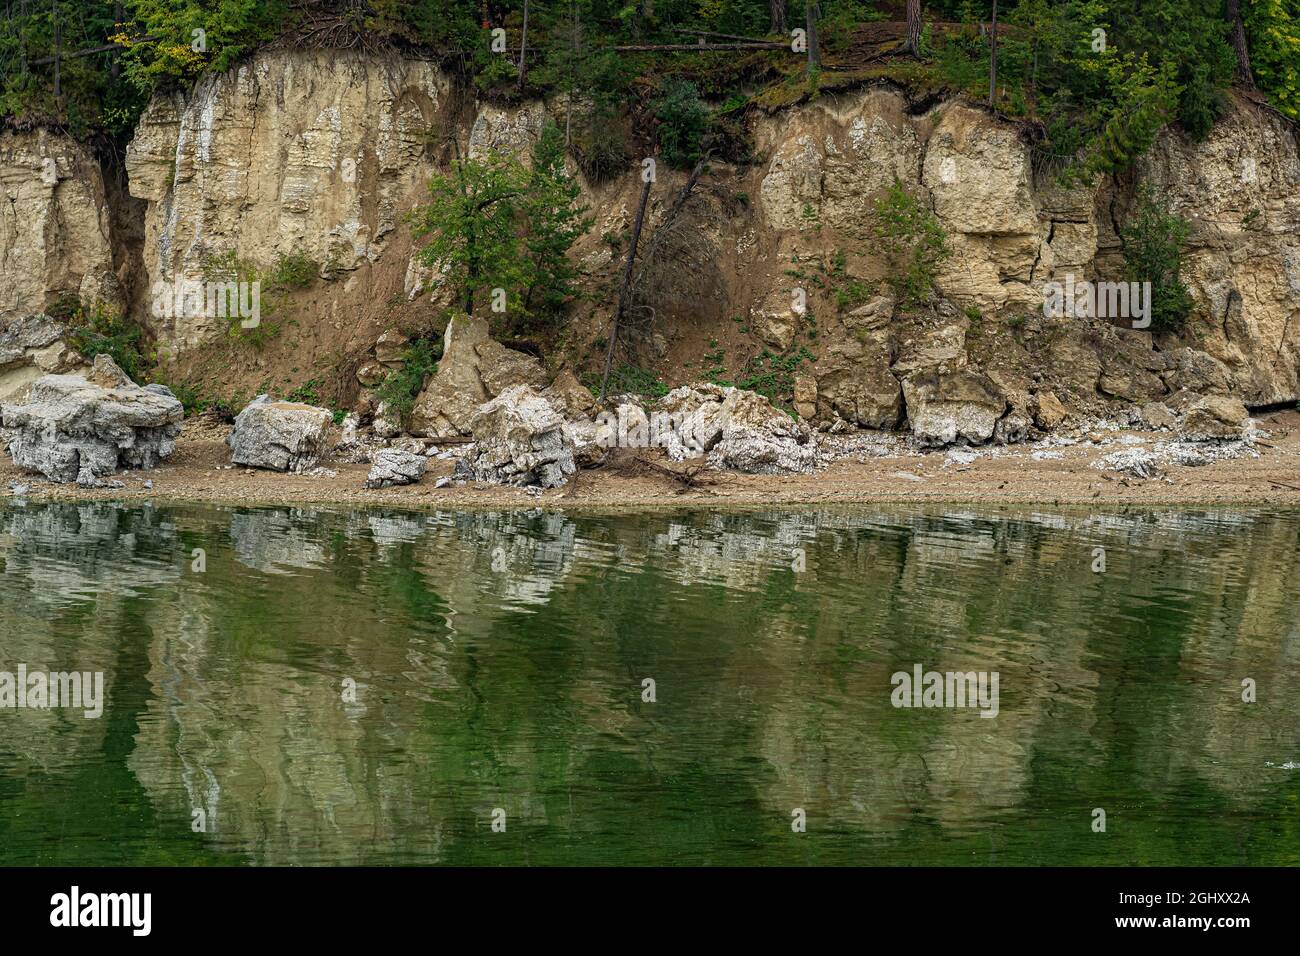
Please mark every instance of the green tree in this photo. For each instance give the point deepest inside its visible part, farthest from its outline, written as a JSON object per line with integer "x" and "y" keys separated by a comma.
{"x": 492, "y": 224}
{"x": 553, "y": 221}
{"x": 1273, "y": 27}
{"x": 472, "y": 225}
{"x": 1153, "y": 252}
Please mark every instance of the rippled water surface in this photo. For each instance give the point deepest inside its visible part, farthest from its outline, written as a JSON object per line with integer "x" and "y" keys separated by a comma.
{"x": 499, "y": 661}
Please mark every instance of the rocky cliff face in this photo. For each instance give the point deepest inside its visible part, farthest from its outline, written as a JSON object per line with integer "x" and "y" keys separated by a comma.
{"x": 1011, "y": 235}
{"x": 55, "y": 241}
{"x": 55, "y": 232}
{"x": 320, "y": 155}
{"x": 317, "y": 155}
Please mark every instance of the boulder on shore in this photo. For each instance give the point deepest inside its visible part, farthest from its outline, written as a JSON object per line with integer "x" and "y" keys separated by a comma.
{"x": 519, "y": 439}
{"x": 739, "y": 429}
{"x": 1215, "y": 418}
{"x": 280, "y": 436}
{"x": 75, "y": 428}
{"x": 393, "y": 466}
{"x": 945, "y": 408}
{"x": 473, "y": 369}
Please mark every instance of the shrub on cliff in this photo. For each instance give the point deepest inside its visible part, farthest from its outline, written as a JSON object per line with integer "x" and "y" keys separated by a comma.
{"x": 913, "y": 241}
{"x": 398, "y": 392}
{"x": 500, "y": 232}
{"x": 1153, "y": 252}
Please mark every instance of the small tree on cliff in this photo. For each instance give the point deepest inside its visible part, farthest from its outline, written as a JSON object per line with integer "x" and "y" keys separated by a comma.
{"x": 552, "y": 222}
{"x": 494, "y": 225}
{"x": 472, "y": 222}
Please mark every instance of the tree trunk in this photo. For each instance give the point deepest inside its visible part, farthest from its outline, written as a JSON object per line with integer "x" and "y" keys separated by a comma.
{"x": 913, "y": 28}
{"x": 811, "y": 13}
{"x": 1244, "y": 74}
{"x": 776, "y": 8}
{"x": 22, "y": 47}
{"x": 523, "y": 50}
{"x": 624, "y": 286}
{"x": 993, "y": 57}
{"x": 58, "y": 49}
{"x": 666, "y": 224}
{"x": 116, "y": 69}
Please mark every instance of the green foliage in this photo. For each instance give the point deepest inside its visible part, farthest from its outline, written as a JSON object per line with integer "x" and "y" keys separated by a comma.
{"x": 308, "y": 393}
{"x": 403, "y": 385}
{"x": 492, "y": 224}
{"x": 772, "y": 375}
{"x": 598, "y": 144}
{"x": 95, "y": 329}
{"x": 229, "y": 267}
{"x": 92, "y": 100}
{"x": 178, "y": 52}
{"x": 1273, "y": 28}
{"x": 1143, "y": 100}
{"x": 913, "y": 241}
{"x": 471, "y": 222}
{"x": 552, "y": 221}
{"x": 292, "y": 271}
{"x": 1153, "y": 243}
{"x": 683, "y": 120}
{"x": 628, "y": 379}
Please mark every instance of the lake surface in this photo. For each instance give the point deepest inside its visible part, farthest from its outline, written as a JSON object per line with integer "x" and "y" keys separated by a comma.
{"x": 500, "y": 659}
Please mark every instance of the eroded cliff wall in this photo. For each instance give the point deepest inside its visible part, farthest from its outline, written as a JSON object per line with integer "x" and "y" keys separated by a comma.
{"x": 321, "y": 154}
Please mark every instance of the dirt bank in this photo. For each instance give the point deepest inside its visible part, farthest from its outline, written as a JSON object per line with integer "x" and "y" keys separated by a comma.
{"x": 199, "y": 471}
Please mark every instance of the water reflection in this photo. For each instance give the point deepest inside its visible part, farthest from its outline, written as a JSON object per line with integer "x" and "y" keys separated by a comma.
{"x": 498, "y": 661}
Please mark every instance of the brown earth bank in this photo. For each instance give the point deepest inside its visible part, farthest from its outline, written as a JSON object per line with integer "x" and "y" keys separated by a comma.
{"x": 200, "y": 471}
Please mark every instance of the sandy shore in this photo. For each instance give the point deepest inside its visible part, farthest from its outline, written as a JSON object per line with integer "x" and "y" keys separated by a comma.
{"x": 199, "y": 472}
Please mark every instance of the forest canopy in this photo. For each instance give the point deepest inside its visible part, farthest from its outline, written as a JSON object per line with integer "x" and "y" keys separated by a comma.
{"x": 1098, "y": 77}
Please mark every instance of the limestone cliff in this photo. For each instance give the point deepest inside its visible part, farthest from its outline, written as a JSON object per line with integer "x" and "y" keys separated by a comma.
{"x": 321, "y": 154}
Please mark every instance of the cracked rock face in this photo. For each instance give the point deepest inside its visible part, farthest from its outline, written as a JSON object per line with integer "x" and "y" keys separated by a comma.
{"x": 55, "y": 234}
{"x": 76, "y": 428}
{"x": 519, "y": 439}
{"x": 280, "y": 436}
{"x": 394, "y": 467}
{"x": 318, "y": 153}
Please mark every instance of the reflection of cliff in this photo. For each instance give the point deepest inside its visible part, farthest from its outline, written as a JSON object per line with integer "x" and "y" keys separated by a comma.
{"x": 498, "y": 660}
{"x": 73, "y": 570}
{"x": 70, "y": 552}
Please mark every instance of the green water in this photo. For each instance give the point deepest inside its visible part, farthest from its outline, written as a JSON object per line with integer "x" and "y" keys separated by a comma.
{"x": 499, "y": 661}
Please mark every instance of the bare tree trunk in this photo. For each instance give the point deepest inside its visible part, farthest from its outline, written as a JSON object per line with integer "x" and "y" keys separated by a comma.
{"x": 913, "y": 28}
{"x": 673, "y": 211}
{"x": 777, "y": 10}
{"x": 1245, "y": 76}
{"x": 116, "y": 69}
{"x": 22, "y": 47}
{"x": 573, "y": 79}
{"x": 625, "y": 286}
{"x": 58, "y": 49}
{"x": 811, "y": 14}
{"x": 993, "y": 57}
{"x": 523, "y": 49}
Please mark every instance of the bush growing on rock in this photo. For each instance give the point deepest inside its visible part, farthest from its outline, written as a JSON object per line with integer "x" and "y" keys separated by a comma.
{"x": 913, "y": 241}
{"x": 1153, "y": 250}
{"x": 402, "y": 386}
